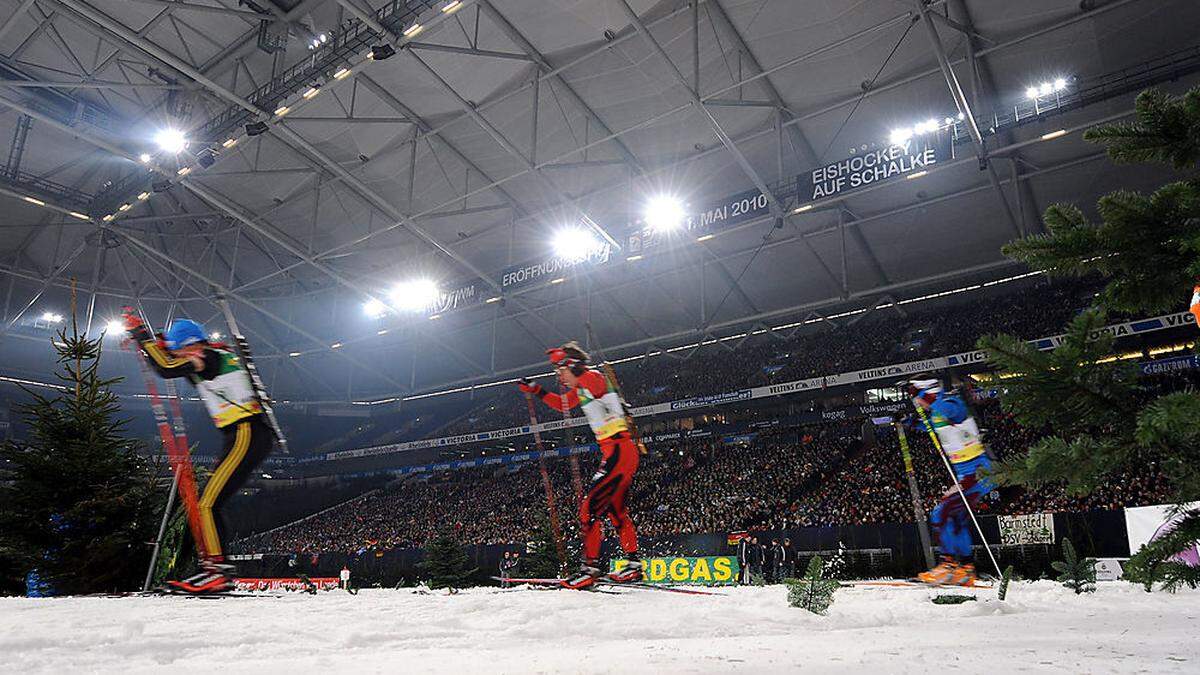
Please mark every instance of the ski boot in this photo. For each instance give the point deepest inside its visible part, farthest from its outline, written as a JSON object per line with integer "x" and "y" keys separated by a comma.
{"x": 586, "y": 576}
{"x": 215, "y": 577}
{"x": 964, "y": 575}
{"x": 632, "y": 571}
{"x": 942, "y": 574}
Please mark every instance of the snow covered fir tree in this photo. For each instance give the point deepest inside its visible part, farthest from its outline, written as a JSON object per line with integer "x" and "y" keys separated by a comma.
{"x": 671, "y": 336}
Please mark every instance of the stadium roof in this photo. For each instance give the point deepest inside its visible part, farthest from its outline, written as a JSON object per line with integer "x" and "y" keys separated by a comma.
{"x": 497, "y": 124}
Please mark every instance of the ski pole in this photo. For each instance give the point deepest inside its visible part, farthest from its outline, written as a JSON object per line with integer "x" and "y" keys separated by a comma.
{"x": 918, "y": 509}
{"x": 576, "y": 479}
{"x": 554, "y": 524}
{"x": 180, "y": 459}
{"x": 954, "y": 479}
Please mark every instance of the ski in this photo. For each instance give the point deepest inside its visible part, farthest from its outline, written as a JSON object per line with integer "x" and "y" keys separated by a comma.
{"x": 907, "y": 583}
{"x": 552, "y": 584}
{"x": 552, "y": 581}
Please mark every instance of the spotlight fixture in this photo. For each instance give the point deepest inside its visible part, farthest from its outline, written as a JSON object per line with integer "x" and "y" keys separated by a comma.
{"x": 293, "y": 354}
{"x": 51, "y": 317}
{"x": 184, "y": 171}
{"x": 114, "y": 327}
{"x": 413, "y": 30}
{"x": 414, "y": 295}
{"x": 341, "y": 73}
{"x": 34, "y": 200}
{"x": 664, "y": 214}
{"x": 229, "y": 143}
{"x": 312, "y": 91}
{"x": 256, "y": 128}
{"x": 125, "y": 207}
{"x": 145, "y": 157}
{"x": 282, "y": 110}
{"x": 206, "y": 158}
{"x": 374, "y": 308}
{"x": 452, "y": 6}
{"x": 81, "y": 216}
{"x": 171, "y": 140}
{"x": 574, "y": 243}
{"x": 143, "y": 196}
{"x": 382, "y": 52}
{"x": 900, "y": 136}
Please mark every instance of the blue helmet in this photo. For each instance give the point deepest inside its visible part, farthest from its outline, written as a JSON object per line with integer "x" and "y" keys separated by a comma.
{"x": 184, "y": 332}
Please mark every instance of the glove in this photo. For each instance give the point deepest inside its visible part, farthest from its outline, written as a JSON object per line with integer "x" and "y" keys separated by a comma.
{"x": 526, "y": 385}
{"x": 137, "y": 328}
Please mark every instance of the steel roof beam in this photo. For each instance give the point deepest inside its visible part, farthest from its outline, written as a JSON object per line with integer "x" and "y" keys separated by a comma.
{"x": 964, "y": 107}
{"x": 776, "y": 207}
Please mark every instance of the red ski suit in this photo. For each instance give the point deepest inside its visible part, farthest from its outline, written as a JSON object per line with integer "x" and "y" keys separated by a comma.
{"x": 619, "y": 461}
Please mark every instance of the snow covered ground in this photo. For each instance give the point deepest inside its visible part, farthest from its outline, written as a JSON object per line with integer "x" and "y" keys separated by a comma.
{"x": 1042, "y": 627}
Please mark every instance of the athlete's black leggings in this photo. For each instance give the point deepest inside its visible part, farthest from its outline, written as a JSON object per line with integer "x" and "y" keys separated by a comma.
{"x": 247, "y": 443}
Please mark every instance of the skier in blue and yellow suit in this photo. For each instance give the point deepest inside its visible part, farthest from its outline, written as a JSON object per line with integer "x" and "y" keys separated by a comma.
{"x": 958, "y": 434}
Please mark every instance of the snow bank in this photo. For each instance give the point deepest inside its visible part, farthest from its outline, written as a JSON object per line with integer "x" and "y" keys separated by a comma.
{"x": 1042, "y": 627}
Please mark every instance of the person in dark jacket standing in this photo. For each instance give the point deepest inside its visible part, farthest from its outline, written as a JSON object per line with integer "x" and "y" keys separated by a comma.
{"x": 778, "y": 556}
{"x": 743, "y": 558}
{"x": 789, "y": 559}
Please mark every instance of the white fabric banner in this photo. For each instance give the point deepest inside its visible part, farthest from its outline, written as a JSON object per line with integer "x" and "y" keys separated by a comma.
{"x": 1032, "y": 528}
{"x": 1147, "y": 523}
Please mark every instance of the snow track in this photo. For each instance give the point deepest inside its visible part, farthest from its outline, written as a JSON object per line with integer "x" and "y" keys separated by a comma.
{"x": 1042, "y": 627}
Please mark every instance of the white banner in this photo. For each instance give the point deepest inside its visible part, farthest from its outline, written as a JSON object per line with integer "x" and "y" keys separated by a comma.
{"x": 894, "y": 371}
{"x": 1033, "y": 528}
{"x": 1147, "y": 523}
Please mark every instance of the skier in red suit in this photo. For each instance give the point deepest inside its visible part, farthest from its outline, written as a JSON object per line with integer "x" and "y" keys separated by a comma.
{"x": 605, "y": 498}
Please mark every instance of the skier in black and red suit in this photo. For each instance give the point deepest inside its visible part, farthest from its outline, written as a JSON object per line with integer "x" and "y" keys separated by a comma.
{"x": 605, "y": 498}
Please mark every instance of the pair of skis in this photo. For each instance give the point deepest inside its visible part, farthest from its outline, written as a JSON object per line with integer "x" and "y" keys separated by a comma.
{"x": 606, "y": 584}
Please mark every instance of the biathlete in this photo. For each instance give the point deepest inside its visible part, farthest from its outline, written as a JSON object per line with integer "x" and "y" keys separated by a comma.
{"x": 228, "y": 393}
{"x": 958, "y": 434}
{"x": 609, "y": 487}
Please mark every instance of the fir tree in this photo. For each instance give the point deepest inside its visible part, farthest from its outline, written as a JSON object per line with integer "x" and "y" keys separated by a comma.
{"x": 1146, "y": 249}
{"x": 1005, "y": 580}
{"x": 446, "y": 564}
{"x": 80, "y": 505}
{"x": 1077, "y": 574}
{"x": 814, "y": 592}
{"x": 542, "y": 560}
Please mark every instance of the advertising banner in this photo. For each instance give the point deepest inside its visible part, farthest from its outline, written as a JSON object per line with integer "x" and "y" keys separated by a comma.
{"x": 1147, "y": 523}
{"x": 1033, "y": 528}
{"x": 709, "y": 571}
{"x": 538, "y": 271}
{"x": 285, "y": 584}
{"x": 919, "y": 153}
{"x": 724, "y": 213}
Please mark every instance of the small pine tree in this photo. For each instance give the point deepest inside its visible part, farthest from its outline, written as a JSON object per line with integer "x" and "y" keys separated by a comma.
{"x": 541, "y": 560}
{"x": 1005, "y": 579}
{"x": 446, "y": 564}
{"x": 1075, "y": 573}
{"x": 814, "y": 592}
{"x": 80, "y": 505}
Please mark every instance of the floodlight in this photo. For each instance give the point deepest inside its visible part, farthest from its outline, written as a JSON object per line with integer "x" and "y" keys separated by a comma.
{"x": 1060, "y": 84}
{"x": 413, "y": 30}
{"x": 931, "y": 125}
{"x": 171, "y": 140}
{"x": 374, "y": 308}
{"x": 145, "y": 157}
{"x": 664, "y": 214}
{"x": 1031, "y": 92}
{"x": 574, "y": 243}
{"x": 1045, "y": 88}
{"x": 323, "y": 38}
{"x": 414, "y": 295}
{"x": 114, "y": 327}
{"x": 900, "y": 136}
{"x": 948, "y": 120}
{"x": 962, "y": 116}
{"x": 51, "y": 317}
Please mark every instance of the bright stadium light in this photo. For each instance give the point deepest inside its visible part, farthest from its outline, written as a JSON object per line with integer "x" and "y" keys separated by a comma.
{"x": 145, "y": 157}
{"x": 51, "y": 317}
{"x": 171, "y": 140}
{"x": 115, "y": 327}
{"x": 900, "y": 136}
{"x": 574, "y": 243}
{"x": 374, "y": 308}
{"x": 664, "y": 214}
{"x": 1060, "y": 84}
{"x": 1045, "y": 88}
{"x": 414, "y": 295}
{"x": 1031, "y": 92}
